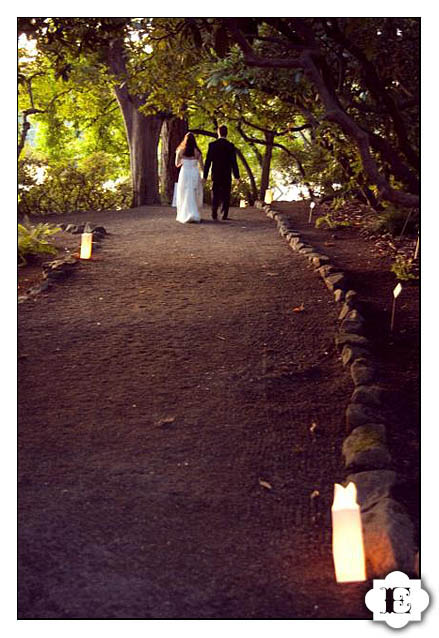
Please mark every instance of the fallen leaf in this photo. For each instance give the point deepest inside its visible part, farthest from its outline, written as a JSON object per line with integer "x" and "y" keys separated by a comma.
{"x": 314, "y": 494}
{"x": 167, "y": 420}
{"x": 313, "y": 427}
{"x": 300, "y": 308}
{"x": 265, "y": 484}
{"x": 220, "y": 337}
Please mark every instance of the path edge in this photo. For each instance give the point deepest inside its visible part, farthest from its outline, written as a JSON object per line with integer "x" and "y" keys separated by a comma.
{"x": 388, "y": 530}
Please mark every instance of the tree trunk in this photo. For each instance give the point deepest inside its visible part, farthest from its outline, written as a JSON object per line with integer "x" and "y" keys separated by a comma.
{"x": 173, "y": 131}
{"x": 266, "y": 163}
{"x": 253, "y": 192}
{"x": 143, "y": 132}
{"x": 23, "y": 135}
{"x": 143, "y": 157}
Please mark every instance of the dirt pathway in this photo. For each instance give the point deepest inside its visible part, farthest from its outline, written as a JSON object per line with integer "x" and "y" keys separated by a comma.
{"x": 164, "y": 389}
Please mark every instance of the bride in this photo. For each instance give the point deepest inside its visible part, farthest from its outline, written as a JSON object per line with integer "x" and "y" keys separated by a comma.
{"x": 190, "y": 186}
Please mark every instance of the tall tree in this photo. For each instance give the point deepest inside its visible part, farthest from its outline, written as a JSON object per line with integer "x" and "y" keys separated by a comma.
{"x": 143, "y": 131}
{"x": 106, "y": 42}
{"x": 346, "y": 73}
{"x": 305, "y": 45}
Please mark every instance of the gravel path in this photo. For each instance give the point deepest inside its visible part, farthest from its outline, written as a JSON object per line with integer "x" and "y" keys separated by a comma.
{"x": 167, "y": 463}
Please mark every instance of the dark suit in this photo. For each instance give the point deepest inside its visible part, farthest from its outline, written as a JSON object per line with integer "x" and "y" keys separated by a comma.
{"x": 222, "y": 156}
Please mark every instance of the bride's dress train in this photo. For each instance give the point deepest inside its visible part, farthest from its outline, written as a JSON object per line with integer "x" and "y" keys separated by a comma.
{"x": 189, "y": 192}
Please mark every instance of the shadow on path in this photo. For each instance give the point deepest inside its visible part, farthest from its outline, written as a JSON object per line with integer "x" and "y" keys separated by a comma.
{"x": 166, "y": 464}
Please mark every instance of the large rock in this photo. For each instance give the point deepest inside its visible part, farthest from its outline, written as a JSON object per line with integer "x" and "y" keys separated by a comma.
{"x": 348, "y": 311}
{"x": 354, "y": 315}
{"x": 371, "y": 395}
{"x": 352, "y": 327}
{"x": 88, "y": 227}
{"x": 338, "y": 295}
{"x": 319, "y": 260}
{"x": 373, "y": 486}
{"x": 60, "y": 267}
{"x": 343, "y": 338}
{"x": 362, "y": 371}
{"x": 100, "y": 229}
{"x": 359, "y": 414}
{"x": 388, "y": 539}
{"x": 325, "y": 270}
{"x": 344, "y": 310}
{"x": 335, "y": 280}
{"x": 351, "y": 352}
{"x": 365, "y": 448}
{"x": 351, "y": 296}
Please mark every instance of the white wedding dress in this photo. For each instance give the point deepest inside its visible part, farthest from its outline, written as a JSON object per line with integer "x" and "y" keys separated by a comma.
{"x": 189, "y": 191}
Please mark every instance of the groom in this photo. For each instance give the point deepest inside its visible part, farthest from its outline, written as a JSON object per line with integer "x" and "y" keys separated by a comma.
{"x": 222, "y": 156}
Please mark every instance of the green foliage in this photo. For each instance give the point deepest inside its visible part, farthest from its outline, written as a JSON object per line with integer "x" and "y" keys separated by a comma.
{"x": 326, "y": 221}
{"x": 194, "y": 68}
{"x": 403, "y": 268}
{"x": 87, "y": 184}
{"x": 33, "y": 240}
{"x": 338, "y": 203}
{"x": 394, "y": 219}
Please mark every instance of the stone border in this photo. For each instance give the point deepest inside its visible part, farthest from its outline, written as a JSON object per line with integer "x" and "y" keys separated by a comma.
{"x": 387, "y": 528}
{"x": 61, "y": 268}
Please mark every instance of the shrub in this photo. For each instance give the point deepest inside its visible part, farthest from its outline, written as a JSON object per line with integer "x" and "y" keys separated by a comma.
{"x": 328, "y": 222}
{"x": 88, "y": 184}
{"x": 324, "y": 221}
{"x": 33, "y": 240}
{"x": 393, "y": 219}
{"x": 403, "y": 268}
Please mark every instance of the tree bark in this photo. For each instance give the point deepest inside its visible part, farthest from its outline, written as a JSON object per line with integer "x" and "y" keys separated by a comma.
{"x": 172, "y": 133}
{"x": 143, "y": 132}
{"x": 144, "y": 161}
{"x": 24, "y": 131}
{"x": 266, "y": 162}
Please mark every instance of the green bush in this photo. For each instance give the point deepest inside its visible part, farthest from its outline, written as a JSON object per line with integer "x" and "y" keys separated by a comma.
{"x": 33, "y": 240}
{"x": 403, "y": 268}
{"x": 326, "y": 221}
{"x": 393, "y": 219}
{"x": 71, "y": 186}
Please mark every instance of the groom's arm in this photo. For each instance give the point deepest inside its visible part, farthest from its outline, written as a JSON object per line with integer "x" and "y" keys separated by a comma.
{"x": 208, "y": 162}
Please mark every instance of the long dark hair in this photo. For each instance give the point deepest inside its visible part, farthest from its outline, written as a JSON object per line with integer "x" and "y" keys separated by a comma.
{"x": 188, "y": 145}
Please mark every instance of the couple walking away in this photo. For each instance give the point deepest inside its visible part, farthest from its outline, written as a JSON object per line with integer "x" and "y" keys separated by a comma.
{"x": 222, "y": 157}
